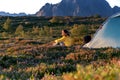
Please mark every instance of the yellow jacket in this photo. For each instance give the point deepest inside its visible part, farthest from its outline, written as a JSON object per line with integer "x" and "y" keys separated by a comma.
{"x": 67, "y": 40}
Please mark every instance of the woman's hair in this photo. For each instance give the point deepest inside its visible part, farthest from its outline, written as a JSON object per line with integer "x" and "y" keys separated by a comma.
{"x": 67, "y": 32}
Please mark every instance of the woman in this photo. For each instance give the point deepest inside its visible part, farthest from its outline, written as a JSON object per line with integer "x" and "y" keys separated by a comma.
{"x": 66, "y": 40}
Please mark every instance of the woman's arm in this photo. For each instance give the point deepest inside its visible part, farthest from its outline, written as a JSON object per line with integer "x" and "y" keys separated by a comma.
{"x": 60, "y": 40}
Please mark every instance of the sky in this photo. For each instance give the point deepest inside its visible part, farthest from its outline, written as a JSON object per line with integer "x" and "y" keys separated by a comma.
{"x": 32, "y": 6}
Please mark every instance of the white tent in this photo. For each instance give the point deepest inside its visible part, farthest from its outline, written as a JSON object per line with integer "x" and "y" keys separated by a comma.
{"x": 108, "y": 35}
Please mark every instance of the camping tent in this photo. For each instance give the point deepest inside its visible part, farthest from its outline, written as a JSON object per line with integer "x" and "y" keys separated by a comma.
{"x": 108, "y": 35}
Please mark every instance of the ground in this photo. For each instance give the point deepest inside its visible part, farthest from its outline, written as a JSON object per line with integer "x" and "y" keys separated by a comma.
{"x": 30, "y": 59}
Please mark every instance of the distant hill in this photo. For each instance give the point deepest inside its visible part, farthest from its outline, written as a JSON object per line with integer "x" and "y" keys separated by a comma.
{"x": 8, "y": 14}
{"x": 78, "y": 8}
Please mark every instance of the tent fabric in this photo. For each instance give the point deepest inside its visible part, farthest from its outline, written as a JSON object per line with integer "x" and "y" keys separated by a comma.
{"x": 108, "y": 35}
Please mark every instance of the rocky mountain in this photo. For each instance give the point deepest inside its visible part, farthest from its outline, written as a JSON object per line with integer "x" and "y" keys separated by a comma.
{"x": 8, "y": 14}
{"x": 78, "y": 8}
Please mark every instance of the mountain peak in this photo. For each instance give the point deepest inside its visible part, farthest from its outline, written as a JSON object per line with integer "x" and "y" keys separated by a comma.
{"x": 78, "y": 8}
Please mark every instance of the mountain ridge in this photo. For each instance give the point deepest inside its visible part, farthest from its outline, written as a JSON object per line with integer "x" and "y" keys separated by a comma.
{"x": 2, "y": 13}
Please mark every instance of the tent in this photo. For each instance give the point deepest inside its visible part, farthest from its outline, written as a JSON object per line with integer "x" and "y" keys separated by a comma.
{"x": 108, "y": 35}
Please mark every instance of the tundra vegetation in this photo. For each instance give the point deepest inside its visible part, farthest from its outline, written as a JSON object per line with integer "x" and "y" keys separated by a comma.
{"x": 26, "y": 52}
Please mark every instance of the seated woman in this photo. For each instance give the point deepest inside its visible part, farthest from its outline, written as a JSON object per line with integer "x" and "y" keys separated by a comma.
{"x": 65, "y": 40}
